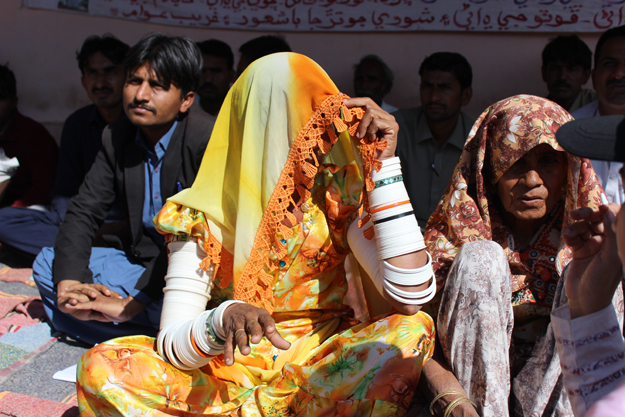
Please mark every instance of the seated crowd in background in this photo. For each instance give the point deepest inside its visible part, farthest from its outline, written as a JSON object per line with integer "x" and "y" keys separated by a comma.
{"x": 28, "y": 230}
{"x": 516, "y": 230}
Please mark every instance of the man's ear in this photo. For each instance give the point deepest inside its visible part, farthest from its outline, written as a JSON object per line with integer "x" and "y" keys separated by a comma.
{"x": 187, "y": 101}
{"x": 592, "y": 75}
{"x": 84, "y": 83}
{"x": 467, "y": 93}
{"x": 542, "y": 71}
{"x": 233, "y": 76}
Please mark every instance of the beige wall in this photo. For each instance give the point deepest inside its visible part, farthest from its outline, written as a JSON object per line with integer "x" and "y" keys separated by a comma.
{"x": 40, "y": 48}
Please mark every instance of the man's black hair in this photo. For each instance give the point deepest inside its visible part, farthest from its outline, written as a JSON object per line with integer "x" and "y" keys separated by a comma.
{"x": 174, "y": 59}
{"x": 108, "y": 45}
{"x": 449, "y": 62}
{"x": 219, "y": 49}
{"x": 264, "y": 45}
{"x": 8, "y": 88}
{"x": 389, "y": 77}
{"x": 617, "y": 32}
{"x": 568, "y": 49}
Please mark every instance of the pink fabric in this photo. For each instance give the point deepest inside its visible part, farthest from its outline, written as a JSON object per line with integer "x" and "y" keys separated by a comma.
{"x": 12, "y": 404}
{"x": 17, "y": 275}
{"x": 612, "y": 405}
{"x": 27, "y": 311}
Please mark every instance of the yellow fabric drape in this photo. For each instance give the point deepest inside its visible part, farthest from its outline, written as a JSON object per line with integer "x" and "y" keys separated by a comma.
{"x": 259, "y": 155}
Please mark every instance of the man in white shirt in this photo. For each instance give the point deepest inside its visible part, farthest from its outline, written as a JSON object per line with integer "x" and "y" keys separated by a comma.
{"x": 374, "y": 79}
{"x": 608, "y": 79}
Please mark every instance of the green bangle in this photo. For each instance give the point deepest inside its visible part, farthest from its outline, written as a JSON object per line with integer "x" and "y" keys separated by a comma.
{"x": 211, "y": 333}
{"x": 387, "y": 181}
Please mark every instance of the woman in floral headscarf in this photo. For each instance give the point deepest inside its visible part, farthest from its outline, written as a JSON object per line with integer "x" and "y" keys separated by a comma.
{"x": 276, "y": 226}
{"x": 497, "y": 248}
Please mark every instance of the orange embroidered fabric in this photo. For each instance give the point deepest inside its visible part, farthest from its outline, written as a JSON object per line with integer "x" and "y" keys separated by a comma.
{"x": 281, "y": 113}
{"x": 297, "y": 176}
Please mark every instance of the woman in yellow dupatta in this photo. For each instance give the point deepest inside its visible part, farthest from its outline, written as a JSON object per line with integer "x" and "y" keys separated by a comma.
{"x": 273, "y": 223}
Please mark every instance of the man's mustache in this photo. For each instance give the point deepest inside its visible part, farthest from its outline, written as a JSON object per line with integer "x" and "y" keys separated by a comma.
{"x": 141, "y": 105}
{"x": 562, "y": 83}
{"x": 437, "y": 104}
{"x": 102, "y": 89}
{"x": 612, "y": 81}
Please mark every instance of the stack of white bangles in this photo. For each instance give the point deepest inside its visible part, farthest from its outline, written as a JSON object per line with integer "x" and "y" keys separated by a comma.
{"x": 190, "y": 335}
{"x": 397, "y": 233}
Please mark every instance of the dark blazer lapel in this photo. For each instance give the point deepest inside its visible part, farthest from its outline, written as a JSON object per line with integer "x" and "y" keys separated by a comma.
{"x": 134, "y": 181}
{"x": 172, "y": 161}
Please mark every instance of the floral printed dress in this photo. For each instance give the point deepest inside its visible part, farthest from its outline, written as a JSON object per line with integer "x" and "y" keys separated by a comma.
{"x": 335, "y": 366}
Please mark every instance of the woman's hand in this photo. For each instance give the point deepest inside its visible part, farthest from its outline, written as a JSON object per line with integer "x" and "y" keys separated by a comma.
{"x": 244, "y": 323}
{"x": 376, "y": 124}
{"x": 596, "y": 269}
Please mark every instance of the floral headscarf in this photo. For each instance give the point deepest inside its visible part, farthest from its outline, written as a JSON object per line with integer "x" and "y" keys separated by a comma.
{"x": 505, "y": 132}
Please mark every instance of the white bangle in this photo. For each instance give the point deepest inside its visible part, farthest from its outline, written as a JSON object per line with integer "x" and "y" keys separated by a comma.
{"x": 218, "y": 325}
{"x": 178, "y": 348}
{"x": 187, "y": 286}
{"x": 401, "y": 276}
{"x": 174, "y": 340}
{"x": 387, "y": 166}
{"x": 399, "y": 236}
{"x": 411, "y": 298}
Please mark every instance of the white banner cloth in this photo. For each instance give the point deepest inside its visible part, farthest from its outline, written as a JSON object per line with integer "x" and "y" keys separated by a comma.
{"x": 359, "y": 15}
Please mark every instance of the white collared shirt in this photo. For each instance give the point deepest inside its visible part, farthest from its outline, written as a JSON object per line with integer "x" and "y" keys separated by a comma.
{"x": 607, "y": 172}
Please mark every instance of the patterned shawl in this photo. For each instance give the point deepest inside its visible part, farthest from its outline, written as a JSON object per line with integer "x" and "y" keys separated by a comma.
{"x": 270, "y": 122}
{"x": 505, "y": 132}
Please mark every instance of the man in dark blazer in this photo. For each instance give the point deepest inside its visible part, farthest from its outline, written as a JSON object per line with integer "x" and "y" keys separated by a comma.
{"x": 95, "y": 294}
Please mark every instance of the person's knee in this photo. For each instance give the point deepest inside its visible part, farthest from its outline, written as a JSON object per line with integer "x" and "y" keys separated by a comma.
{"x": 483, "y": 257}
{"x": 8, "y": 216}
{"x": 42, "y": 268}
{"x": 479, "y": 275}
{"x": 485, "y": 249}
{"x": 91, "y": 360}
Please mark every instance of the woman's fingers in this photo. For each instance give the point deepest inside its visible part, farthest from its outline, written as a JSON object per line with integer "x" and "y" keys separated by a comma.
{"x": 269, "y": 328}
{"x": 254, "y": 330}
{"x": 370, "y": 125}
{"x": 243, "y": 324}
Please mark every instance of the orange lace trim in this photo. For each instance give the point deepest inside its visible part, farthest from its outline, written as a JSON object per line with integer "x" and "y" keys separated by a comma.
{"x": 255, "y": 284}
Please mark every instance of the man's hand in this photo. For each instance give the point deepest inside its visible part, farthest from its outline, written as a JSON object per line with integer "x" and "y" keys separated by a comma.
{"x": 74, "y": 292}
{"x": 107, "y": 309}
{"x": 596, "y": 269}
{"x": 95, "y": 302}
{"x": 376, "y": 124}
{"x": 244, "y": 323}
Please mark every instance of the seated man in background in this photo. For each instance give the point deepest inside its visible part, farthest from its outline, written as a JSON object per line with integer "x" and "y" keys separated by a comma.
{"x": 588, "y": 336}
{"x": 96, "y": 294}
{"x": 35, "y": 149}
{"x": 258, "y": 47}
{"x": 8, "y": 166}
{"x": 100, "y": 60}
{"x": 431, "y": 136}
{"x": 374, "y": 79}
{"x": 566, "y": 68}
{"x": 608, "y": 79}
{"x": 217, "y": 75}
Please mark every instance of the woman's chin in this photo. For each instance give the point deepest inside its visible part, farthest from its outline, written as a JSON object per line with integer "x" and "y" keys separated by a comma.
{"x": 530, "y": 214}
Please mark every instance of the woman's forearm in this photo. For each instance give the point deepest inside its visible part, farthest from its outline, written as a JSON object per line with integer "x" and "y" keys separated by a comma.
{"x": 437, "y": 379}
